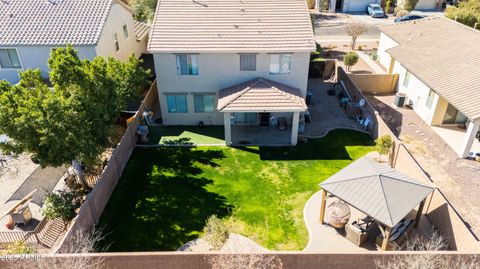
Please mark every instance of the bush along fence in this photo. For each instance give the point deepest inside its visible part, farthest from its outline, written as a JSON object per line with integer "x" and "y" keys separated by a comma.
{"x": 97, "y": 199}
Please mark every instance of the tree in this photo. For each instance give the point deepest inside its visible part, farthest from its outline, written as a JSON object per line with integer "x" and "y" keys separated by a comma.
{"x": 388, "y": 4}
{"x": 467, "y": 12}
{"x": 62, "y": 204}
{"x": 144, "y": 9}
{"x": 355, "y": 30}
{"x": 383, "y": 144}
{"x": 350, "y": 59}
{"x": 409, "y": 5}
{"x": 73, "y": 121}
{"x": 245, "y": 261}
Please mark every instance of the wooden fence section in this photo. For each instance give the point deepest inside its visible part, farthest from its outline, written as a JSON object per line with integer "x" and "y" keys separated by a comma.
{"x": 97, "y": 199}
{"x": 376, "y": 84}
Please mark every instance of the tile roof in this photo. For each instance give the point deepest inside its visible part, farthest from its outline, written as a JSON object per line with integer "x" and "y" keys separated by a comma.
{"x": 232, "y": 26}
{"x": 444, "y": 55}
{"x": 260, "y": 95}
{"x": 52, "y": 22}
{"x": 141, "y": 30}
{"x": 379, "y": 191}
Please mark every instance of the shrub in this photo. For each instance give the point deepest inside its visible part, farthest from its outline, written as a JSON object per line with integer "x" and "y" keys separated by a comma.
{"x": 62, "y": 204}
{"x": 360, "y": 47}
{"x": 18, "y": 247}
{"x": 383, "y": 144}
{"x": 467, "y": 13}
{"x": 311, "y": 4}
{"x": 350, "y": 59}
{"x": 399, "y": 11}
{"x": 388, "y": 4}
{"x": 409, "y": 5}
{"x": 215, "y": 232}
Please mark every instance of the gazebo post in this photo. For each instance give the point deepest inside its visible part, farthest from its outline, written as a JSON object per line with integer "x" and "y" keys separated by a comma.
{"x": 419, "y": 213}
{"x": 323, "y": 205}
{"x": 386, "y": 237}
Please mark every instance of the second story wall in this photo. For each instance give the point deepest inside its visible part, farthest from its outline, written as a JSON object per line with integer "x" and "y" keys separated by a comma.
{"x": 32, "y": 57}
{"x": 219, "y": 71}
{"x": 113, "y": 32}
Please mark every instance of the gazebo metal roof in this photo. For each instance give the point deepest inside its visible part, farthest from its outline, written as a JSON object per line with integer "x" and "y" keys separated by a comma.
{"x": 379, "y": 191}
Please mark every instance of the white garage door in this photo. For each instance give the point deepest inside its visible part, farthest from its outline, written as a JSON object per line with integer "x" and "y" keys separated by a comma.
{"x": 356, "y": 5}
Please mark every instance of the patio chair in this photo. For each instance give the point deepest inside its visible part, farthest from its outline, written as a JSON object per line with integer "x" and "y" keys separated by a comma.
{"x": 398, "y": 235}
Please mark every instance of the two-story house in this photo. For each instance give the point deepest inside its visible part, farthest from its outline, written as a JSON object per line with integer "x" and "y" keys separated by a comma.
{"x": 30, "y": 29}
{"x": 241, "y": 64}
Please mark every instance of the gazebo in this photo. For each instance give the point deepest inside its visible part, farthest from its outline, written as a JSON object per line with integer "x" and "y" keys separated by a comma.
{"x": 377, "y": 190}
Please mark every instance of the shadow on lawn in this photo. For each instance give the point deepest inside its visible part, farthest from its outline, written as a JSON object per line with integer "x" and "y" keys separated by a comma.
{"x": 161, "y": 202}
{"x": 331, "y": 147}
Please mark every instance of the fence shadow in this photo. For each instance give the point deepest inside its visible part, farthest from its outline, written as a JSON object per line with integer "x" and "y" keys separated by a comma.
{"x": 161, "y": 202}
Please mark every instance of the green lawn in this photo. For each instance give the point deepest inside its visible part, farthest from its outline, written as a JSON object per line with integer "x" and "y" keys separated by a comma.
{"x": 167, "y": 193}
{"x": 186, "y": 134}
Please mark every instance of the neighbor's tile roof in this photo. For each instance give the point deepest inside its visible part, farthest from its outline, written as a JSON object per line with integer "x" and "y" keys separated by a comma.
{"x": 52, "y": 22}
{"x": 260, "y": 95}
{"x": 232, "y": 26}
{"x": 444, "y": 55}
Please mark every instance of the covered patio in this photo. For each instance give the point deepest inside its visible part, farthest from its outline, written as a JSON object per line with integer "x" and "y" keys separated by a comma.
{"x": 373, "y": 206}
{"x": 261, "y": 112}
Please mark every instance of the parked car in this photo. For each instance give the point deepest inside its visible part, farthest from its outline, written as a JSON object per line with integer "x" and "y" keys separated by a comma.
{"x": 409, "y": 17}
{"x": 375, "y": 11}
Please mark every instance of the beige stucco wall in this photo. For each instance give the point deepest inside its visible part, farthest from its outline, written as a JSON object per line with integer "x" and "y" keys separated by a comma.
{"x": 218, "y": 71}
{"x": 385, "y": 43}
{"x": 119, "y": 15}
{"x": 417, "y": 93}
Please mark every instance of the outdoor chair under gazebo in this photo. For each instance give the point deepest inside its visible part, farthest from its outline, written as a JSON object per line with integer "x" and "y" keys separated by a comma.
{"x": 382, "y": 193}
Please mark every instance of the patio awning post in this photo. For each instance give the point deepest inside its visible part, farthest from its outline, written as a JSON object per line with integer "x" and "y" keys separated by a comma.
{"x": 419, "y": 214}
{"x": 295, "y": 120}
{"x": 470, "y": 136}
{"x": 386, "y": 237}
{"x": 228, "y": 128}
{"x": 323, "y": 206}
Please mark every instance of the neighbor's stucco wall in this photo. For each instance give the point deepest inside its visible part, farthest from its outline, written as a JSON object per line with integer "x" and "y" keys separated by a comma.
{"x": 417, "y": 93}
{"x": 33, "y": 57}
{"x": 216, "y": 72}
{"x": 385, "y": 43}
{"x": 357, "y": 5}
{"x": 119, "y": 15}
{"x": 422, "y": 4}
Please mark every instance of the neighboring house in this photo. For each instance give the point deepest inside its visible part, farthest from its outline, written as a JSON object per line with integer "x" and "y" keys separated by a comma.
{"x": 30, "y": 29}
{"x": 437, "y": 60}
{"x": 423, "y": 4}
{"x": 350, "y": 5}
{"x": 240, "y": 64}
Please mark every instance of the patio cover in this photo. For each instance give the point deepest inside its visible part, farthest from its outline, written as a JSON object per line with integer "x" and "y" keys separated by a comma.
{"x": 261, "y": 95}
{"x": 379, "y": 191}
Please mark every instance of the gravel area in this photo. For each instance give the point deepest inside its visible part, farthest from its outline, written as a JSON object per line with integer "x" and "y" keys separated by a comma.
{"x": 457, "y": 178}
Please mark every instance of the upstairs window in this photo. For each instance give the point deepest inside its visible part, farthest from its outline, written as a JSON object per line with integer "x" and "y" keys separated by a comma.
{"x": 187, "y": 65}
{"x": 248, "y": 62}
{"x": 115, "y": 41}
{"x": 431, "y": 97}
{"x": 204, "y": 103}
{"x": 125, "y": 31}
{"x": 280, "y": 63}
{"x": 9, "y": 59}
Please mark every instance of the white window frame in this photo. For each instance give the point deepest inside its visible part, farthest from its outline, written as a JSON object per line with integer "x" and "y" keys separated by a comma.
{"x": 126, "y": 33}
{"x": 279, "y": 57}
{"x": 19, "y": 59}
{"x": 191, "y": 59}
{"x": 116, "y": 43}
{"x": 249, "y": 62}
